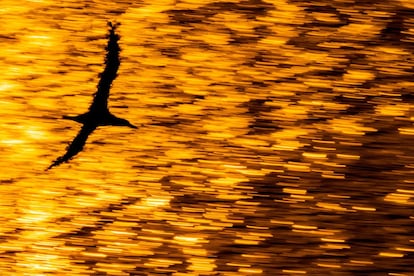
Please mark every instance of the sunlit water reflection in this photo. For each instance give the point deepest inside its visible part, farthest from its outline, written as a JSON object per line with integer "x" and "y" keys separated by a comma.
{"x": 275, "y": 138}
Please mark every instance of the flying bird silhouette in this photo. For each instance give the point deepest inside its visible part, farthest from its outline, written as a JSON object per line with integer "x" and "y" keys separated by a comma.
{"x": 98, "y": 113}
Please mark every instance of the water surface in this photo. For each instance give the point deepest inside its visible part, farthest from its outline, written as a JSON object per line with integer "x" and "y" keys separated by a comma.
{"x": 275, "y": 138}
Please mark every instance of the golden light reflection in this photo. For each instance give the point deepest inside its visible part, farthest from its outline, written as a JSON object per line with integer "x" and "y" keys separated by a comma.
{"x": 401, "y": 196}
{"x": 391, "y": 254}
{"x": 294, "y": 271}
{"x": 274, "y": 139}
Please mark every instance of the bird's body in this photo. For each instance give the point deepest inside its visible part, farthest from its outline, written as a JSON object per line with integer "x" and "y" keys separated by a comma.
{"x": 98, "y": 113}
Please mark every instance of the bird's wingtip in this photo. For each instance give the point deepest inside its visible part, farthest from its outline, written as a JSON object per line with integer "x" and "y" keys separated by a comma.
{"x": 113, "y": 24}
{"x": 55, "y": 163}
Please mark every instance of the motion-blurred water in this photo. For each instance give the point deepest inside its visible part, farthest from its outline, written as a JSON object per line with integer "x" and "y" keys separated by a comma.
{"x": 276, "y": 138}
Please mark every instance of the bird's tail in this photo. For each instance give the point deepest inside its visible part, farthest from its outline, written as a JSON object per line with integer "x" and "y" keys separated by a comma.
{"x": 79, "y": 118}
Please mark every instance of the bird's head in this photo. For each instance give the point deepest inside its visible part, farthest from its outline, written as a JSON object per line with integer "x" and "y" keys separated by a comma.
{"x": 123, "y": 122}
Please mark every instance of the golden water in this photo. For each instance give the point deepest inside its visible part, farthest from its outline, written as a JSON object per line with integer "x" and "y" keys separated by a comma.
{"x": 275, "y": 138}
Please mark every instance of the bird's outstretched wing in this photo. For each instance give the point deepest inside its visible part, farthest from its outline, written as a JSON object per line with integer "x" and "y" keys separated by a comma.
{"x": 112, "y": 62}
{"x": 76, "y": 146}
